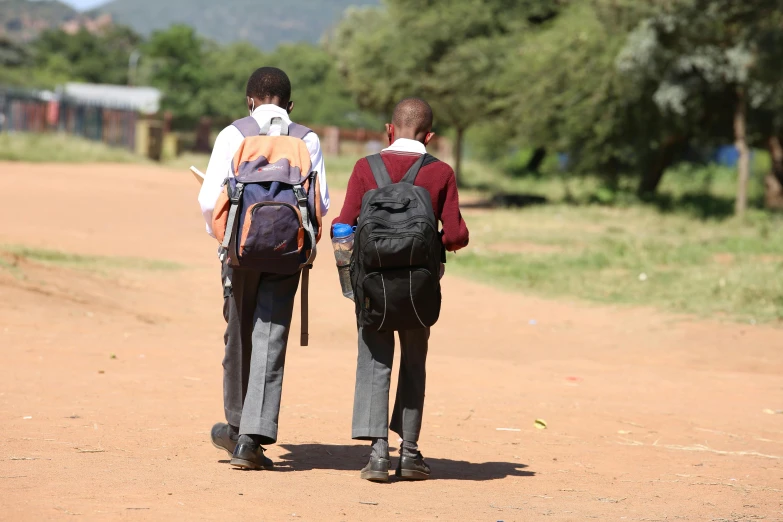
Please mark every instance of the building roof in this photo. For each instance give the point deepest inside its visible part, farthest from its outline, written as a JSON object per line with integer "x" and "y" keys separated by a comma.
{"x": 142, "y": 99}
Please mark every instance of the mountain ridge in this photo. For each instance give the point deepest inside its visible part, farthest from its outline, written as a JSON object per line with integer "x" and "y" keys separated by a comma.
{"x": 226, "y": 22}
{"x": 234, "y": 20}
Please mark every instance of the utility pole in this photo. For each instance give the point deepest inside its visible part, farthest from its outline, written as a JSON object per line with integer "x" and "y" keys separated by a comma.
{"x": 133, "y": 66}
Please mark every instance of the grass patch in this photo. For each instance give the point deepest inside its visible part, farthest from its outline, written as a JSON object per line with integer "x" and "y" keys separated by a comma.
{"x": 680, "y": 251}
{"x": 53, "y": 257}
{"x": 632, "y": 255}
{"x": 61, "y": 148}
{"x": 700, "y": 191}
{"x": 64, "y": 148}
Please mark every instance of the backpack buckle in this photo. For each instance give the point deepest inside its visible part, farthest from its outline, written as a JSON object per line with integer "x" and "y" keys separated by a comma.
{"x": 236, "y": 195}
{"x": 301, "y": 195}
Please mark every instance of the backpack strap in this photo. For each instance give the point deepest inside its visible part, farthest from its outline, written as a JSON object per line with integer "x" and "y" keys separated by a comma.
{"x": 248, "y": 126}
{"x": 298, "y": 131}
{"x": 410, "y": 176}
{"x": 379, "y": 171}
{"x": 429, "y": 160}
{"x": 305, "y": 334}
{"x": 302, "y": 201}
{"x": 232, "y": 222}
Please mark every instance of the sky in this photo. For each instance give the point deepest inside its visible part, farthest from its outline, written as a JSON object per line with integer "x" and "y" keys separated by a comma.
{"x": 84, "y": 4}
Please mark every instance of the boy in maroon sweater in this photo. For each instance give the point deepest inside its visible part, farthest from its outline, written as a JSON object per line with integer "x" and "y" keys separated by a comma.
{"x": 409, "y": 133}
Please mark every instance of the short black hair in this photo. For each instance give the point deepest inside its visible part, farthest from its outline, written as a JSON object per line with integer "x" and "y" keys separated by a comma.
{"x": 413, "y": 113}
{"x": 269, "y": 82}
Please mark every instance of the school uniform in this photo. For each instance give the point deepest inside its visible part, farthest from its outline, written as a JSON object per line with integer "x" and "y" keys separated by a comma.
{"x": 376, "y": 349}
{"x": 258, "y": 307}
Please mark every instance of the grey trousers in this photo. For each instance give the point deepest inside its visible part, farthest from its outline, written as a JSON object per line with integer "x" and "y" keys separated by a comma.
{"x": 258, "y": 315}
{"x": 373, "y": 378}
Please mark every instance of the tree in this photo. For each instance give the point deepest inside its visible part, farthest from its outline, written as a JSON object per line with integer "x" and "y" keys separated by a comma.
{"x": 225, "y": 74}
{"x": 320, "y": 95}
{"x": 560, "y": 87}
{"x": 704, "y": 56}
{"x": 177, "y": 57}
{"x": 86, "y": 56}
{"x": 416, "y": 47}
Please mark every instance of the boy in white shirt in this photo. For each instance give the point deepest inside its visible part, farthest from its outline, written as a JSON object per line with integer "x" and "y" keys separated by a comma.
{"x": 257, "y": 307}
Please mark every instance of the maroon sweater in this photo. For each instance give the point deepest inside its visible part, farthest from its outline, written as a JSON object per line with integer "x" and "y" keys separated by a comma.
{"x": 439, "y": 180}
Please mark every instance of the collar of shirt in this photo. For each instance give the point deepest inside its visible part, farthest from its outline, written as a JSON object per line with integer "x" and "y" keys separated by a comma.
{"x": 407, "y": 146}
{"x": 264, "y": 114}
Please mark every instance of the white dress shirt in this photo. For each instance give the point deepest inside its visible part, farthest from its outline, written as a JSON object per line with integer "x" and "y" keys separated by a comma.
{"x": 406, "y": 146}
{"x": 226, "y": 146}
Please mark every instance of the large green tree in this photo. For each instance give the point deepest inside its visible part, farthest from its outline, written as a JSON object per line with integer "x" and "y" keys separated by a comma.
{"x": 175, "y": 62}
{"x": 86, "y": 56}
{"x": 560, "y": 88}
{"x": 704, "y": 58}
{"x": 447, "y": 55}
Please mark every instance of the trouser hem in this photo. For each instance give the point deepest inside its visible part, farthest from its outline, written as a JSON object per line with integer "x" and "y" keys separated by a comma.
{"x": 265, "y": 429}
{"x": 369, "y": 434}
{"x": 233, "y": 417}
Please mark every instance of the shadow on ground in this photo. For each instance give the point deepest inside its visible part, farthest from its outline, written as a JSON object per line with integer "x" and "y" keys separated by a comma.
{"x": 305, "y": 457}
{"x": 507, "y": 200}
{"x": 696, "y": 204}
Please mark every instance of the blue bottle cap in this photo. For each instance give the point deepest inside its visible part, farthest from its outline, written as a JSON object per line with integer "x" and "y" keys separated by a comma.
{"x": 340, "y": 230}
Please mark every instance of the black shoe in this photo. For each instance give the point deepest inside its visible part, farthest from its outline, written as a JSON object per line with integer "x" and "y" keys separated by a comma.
{"x": 377, "y": 470}
{"x": 222, "y": 437}
{"x": 251, "y": 456}
{"x": 413, "y": 468}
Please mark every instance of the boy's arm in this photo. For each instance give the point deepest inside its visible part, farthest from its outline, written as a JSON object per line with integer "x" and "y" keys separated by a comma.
{"x": 317, "y": 159}
{"x": 218, "y": 169}
{"x": 455, "y": 231}
{"x": 349, "y": 215}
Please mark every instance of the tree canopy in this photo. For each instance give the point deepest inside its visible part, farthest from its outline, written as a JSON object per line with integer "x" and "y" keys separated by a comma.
{"x": 622, "y": 89}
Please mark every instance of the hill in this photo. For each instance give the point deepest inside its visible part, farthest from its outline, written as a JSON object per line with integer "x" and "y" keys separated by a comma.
{"x": 22, "y": 20}
{"x": 265, "y": 23}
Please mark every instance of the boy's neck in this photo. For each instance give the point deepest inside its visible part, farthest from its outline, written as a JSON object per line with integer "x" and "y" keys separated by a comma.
{"x": 277, "y": 102}
{"x": 410, "y": 134}
{"x": 398, "y": 138}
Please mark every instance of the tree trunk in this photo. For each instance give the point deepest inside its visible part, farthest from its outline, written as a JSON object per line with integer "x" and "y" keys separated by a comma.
{"x": 458, "y": 155}
{"x": 536, "y": 160}
{"x": 743, "y": 164}
{"x": 670, "y": 148}
{"x": 773, "y": 196}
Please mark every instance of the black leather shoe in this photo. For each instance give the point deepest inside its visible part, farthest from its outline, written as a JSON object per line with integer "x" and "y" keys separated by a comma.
{"x": 413, "y": 468}
{"x": 377, "y": 470}
{"x": 221, "y": 438}
{"x": 251, "y": 456}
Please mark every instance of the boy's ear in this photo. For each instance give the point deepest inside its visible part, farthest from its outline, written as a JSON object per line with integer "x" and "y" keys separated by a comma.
{"x": 250, "y": 103}
{"x": 390, "y": 133}
{"x": 290, "y": 107}
{"x": 428, "y": 138}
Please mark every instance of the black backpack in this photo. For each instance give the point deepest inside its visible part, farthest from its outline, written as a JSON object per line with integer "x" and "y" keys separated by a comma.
{"x": 395, "y": 269}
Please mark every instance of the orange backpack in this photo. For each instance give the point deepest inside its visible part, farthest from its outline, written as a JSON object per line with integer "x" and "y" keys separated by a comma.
{"x": 268, "y": 217}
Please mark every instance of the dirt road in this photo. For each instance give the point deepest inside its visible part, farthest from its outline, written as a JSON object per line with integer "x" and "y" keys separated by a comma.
{"x": 650, "y": 417}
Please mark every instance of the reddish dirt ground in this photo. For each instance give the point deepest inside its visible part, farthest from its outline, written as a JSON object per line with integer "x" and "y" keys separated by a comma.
{"x": 650, "y": 416}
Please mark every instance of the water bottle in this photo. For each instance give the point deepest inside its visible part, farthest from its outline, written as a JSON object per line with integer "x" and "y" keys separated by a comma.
{"x": 342, "y": 241}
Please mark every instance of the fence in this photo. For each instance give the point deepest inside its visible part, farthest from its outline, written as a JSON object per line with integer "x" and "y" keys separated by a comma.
{"x": 335, "y": 140}
{"x": 34, "y": 111}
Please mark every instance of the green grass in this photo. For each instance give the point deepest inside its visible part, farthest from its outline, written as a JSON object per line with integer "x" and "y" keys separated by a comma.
{"x": 60, "y": 148}
{"x": 679, "y": 251}
{"x": 338, "y": 170}
{"x": 632, "y": 255}
{"x": 63, "y": 148}
{"x": 78, "y": 261}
